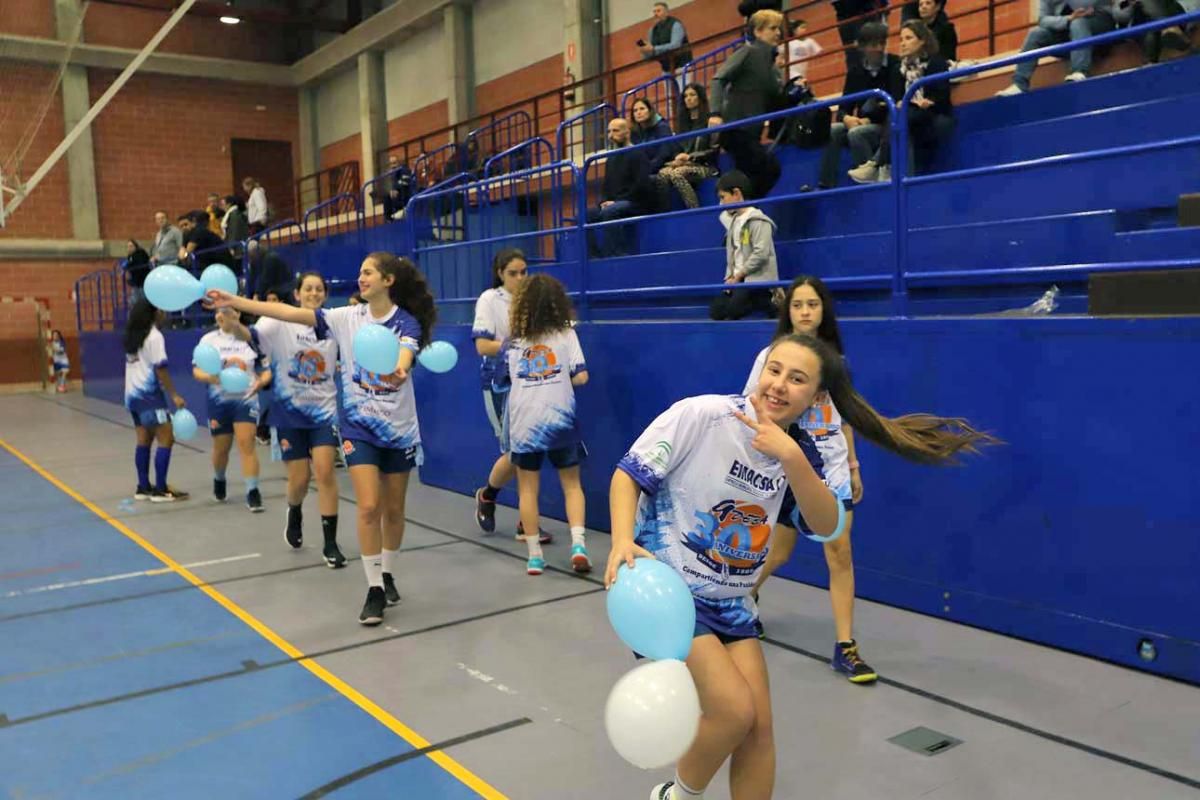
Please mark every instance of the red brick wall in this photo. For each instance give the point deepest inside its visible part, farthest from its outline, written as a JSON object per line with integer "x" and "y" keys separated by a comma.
{"x": 27, "y": 17}
{"x": 417, "y": 123}
{"x": 164, "y": 143}
{"x": 123, "y": 26}
{"x": 47, "y": 212}
{"x": 341, "y": 151}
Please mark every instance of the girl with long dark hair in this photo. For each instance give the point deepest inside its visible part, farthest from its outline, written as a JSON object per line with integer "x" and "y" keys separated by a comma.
{"x": 148, "y": 386}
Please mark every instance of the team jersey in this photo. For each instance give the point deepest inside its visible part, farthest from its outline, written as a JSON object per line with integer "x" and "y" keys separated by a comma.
{"x": 376, "y": 409}
{"x": 491, "y": 322}
{"x": 59, "y": 355}
{"x": 540, "y": 415}
{"x": 234, "y": 353}
{"x": 302, "y": 366}
{"x": 710, "y": 502}
{"x": 143, "y": 392}
{"x": 823, "y": 423}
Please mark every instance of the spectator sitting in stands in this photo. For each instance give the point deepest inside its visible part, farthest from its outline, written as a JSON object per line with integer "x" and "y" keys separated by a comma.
{"x": 749, "y": 252}
{"x": 698, "y": 158}
{"x": 395, "y": 187}
{"x": 234, "y": 225}
{"x": 267, "y": 273}
{"x": 206, "y": 246}
{"x": 136, "y": 267}
{"x": 747, "y": 85}
{"x": 648, "y": 126}
{"x": 626, "y": 176}
{"x": 1058, "y": 22}
{"x": 930, "y": 112}
{"x": 1172, "y": 38}
{"x": 668, "y": 41}
{"x": 167, "y": 240}
{"x": 800, "y": 49}
{"x": 852, "y": 15}
{"x": 933, "y": 14}
{"x": 863, "y": 126}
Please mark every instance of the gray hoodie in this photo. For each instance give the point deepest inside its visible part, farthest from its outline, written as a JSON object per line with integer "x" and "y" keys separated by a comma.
{"x": 750, "y": 245}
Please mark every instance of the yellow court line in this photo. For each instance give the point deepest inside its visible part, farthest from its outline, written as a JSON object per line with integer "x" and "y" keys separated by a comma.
{"x": 406, "y": 733}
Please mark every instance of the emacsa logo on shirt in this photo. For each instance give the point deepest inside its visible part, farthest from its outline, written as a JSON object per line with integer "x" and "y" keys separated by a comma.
{"x": 744, "y": 477}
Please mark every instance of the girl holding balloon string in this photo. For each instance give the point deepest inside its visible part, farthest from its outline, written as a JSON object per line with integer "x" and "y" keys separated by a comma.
{"x": 378, "y": 415}
{"x": 701, "y": 490}
{"x": 234, "y": 378}
{"x": 304, "y": 412}
{"x": 809, "y": 309}
{"x": 147, "y": 387}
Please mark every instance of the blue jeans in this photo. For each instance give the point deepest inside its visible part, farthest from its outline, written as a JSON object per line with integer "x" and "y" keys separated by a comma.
{"x": 611, "y": 241}
{"x": 1081, "y": 59}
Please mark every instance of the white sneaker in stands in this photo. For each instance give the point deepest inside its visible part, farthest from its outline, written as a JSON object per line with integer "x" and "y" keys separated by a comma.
{"x": 1075, "y": 77}
{"x": 866, "y": 172}
{"x": 1012, "y": 90}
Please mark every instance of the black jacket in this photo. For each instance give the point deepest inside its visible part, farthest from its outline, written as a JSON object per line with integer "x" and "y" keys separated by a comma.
{"x": 938, "y": 91}
{"x": 747, "y": 7}
{"x": 270, "y": 274}
{"x": 947, "y": 36}
{"x": 625, "y": 177}
{"x": 137, "y": 267}
{"x": 747, "y": 84}
{"x": 859, "y": 79}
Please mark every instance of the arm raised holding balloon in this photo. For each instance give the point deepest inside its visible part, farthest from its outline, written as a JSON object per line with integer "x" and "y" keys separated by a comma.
{"x": 217, "y": 298}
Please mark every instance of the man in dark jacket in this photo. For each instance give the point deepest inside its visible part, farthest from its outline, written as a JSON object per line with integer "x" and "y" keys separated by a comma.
{"x": 626, "y": 179}
{"x": 268, "y": 274}
{"x": 668, "y": 41}
{"x": 747, "y": 85}
{"x": 863, "y": 126}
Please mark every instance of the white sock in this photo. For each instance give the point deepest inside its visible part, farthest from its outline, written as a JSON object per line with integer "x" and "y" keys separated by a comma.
{"x": 577, "y": 536}
{"x": 390, "y": 561}
{"x": 681, "y": 791}
{"x": 373, "y": 567}
{"x": 535, "y": 547}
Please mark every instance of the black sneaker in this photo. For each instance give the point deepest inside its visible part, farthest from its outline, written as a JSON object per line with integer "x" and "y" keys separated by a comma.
{"x": 293, "y": 533}
{"x": 485, "y": 512}
{"x": 254, "y": 501}
{"x": 168, "y": 495}
{"x": 142, "y": 493}
{"x": 372, "y": 612}
{"x": 219, "y": 490}
{"x": 847, "y": 661}
{"x": 543, "y": 536}
{"x": 333, "y": 556}
{"x": 390, "y": 590}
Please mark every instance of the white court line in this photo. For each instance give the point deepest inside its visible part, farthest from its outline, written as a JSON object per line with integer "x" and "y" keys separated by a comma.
{"x": 54, "y": 587}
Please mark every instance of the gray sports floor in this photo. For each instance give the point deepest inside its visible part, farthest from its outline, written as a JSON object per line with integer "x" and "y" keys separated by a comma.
{"x": 510, "y": 673}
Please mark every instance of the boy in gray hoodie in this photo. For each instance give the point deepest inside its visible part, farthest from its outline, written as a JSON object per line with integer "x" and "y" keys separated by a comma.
{"x": 749, "y": 252}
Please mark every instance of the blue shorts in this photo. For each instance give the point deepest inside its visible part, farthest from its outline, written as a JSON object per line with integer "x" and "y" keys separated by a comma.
{"x": 297, "y": 444}
{"x": 150, "y": 419}
{"x": 560, "y": 457}
{"x": 703, "y": 630}
{"x": 221, "y": 418}
{"x": 390, "y": 462}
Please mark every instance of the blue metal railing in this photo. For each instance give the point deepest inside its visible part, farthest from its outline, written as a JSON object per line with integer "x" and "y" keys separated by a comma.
{"x": 341, "y": 205}
{"x": 438, "y": 164}
{"x": 701, "y": 70}
{"x": 438, "y": 229}
{"x": 497, "y": 136}
{"x": 592, "y": 126}
{"x": 368, "y": 200}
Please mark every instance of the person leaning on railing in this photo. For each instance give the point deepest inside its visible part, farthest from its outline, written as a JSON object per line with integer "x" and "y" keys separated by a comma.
{"x": 747, "y": 85}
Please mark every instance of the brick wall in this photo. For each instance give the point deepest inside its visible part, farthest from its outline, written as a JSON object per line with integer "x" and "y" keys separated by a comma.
{"x": 124, "y": 26}
{"x": 27, "y": 18}
{"x": 341, "y": 151}
{"x": 164, "y": 143}
{"x": 47, "y": 212}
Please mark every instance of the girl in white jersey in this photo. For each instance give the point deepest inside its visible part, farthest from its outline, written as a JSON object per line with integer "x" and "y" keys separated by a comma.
{"x": 378, "y": 416}
{"x": 542, "y": 363}
{"x": 810, "y": 310}
{"x": 58, "y": 355}
{"x": 147, "y": 387}
{"x": 304, "y": 412}
{"x": 489, "y": 330}
{"x": 233, "y": 416}
{"x": 701, "y": 490}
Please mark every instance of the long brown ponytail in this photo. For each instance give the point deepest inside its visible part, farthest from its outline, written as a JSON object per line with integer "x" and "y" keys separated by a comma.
{"x": 924, "y": 438}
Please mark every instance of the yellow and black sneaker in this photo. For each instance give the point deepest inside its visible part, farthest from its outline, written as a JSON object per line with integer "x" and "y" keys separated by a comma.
{"x": 847, "y": 661}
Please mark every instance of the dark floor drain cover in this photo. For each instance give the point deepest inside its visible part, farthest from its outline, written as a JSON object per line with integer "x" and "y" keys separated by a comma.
{"x": 925, "y": 741}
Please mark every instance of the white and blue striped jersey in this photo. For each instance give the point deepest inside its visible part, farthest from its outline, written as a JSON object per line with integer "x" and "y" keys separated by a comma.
{"x": 540, "y": 414}
{"x": 302, "y": 366}
{"x": 234, "y": 353}
{"x": 143, "y": 391}
{"x": 491, "y": 322}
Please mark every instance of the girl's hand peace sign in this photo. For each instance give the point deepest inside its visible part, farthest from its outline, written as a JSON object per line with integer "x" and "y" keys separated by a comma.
{"x": 769, "y": 439}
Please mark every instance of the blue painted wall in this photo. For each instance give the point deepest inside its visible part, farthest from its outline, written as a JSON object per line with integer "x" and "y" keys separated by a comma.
{"x": 1080, "y": 532}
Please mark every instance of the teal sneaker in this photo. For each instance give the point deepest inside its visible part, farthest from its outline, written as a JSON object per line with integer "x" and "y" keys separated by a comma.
{"x": 535, "y": 566}
{"x": 579, "y": 559}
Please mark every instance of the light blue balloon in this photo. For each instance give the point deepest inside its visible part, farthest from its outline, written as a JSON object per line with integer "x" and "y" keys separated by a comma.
{"x": 207, "y": 359}
{"x": 172, "y": 288}
{"x": 183, "y": 423}
{"x": 651, "y": 609}
{"x": 235, "y": 380}
{"x": 218, "y": 276}
{"x": 439, "y": 357}
{"x": 376, "y": 349}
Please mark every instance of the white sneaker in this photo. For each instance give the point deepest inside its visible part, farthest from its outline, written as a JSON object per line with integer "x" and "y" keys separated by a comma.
{"x": 885, "y": 174}
{"x": 1012, "y": 90}
{"x": 662, "y": 791}
{"x": 864, "y": 173}
{"x": 1075, "y": 77}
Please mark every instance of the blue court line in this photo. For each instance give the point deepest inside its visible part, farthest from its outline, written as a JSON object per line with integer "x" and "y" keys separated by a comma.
{"x": 281, "y": 732}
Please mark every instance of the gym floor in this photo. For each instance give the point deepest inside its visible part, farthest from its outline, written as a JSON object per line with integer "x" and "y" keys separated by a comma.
{"x": 184, "y": 650}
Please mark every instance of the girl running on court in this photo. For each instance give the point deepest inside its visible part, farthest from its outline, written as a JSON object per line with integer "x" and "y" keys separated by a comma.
{"x": 305, "y": 412}
{"x": 544, "y": 362}
{"x": 701, "y": 490}
{"x": 489, "y": 331}
{"x": 62, "y": 364}
{"x": 233, "y": 416}
{"x": 378, "y": 416}
{"x": 809, "y": 309}
{"x": 147, "y": 387}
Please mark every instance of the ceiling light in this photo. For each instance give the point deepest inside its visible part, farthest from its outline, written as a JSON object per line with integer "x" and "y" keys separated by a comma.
{"x": 230, "y": 20}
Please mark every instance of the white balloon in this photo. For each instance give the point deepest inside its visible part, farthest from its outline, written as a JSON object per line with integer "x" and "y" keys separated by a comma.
{"x": 653, "y": 714}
